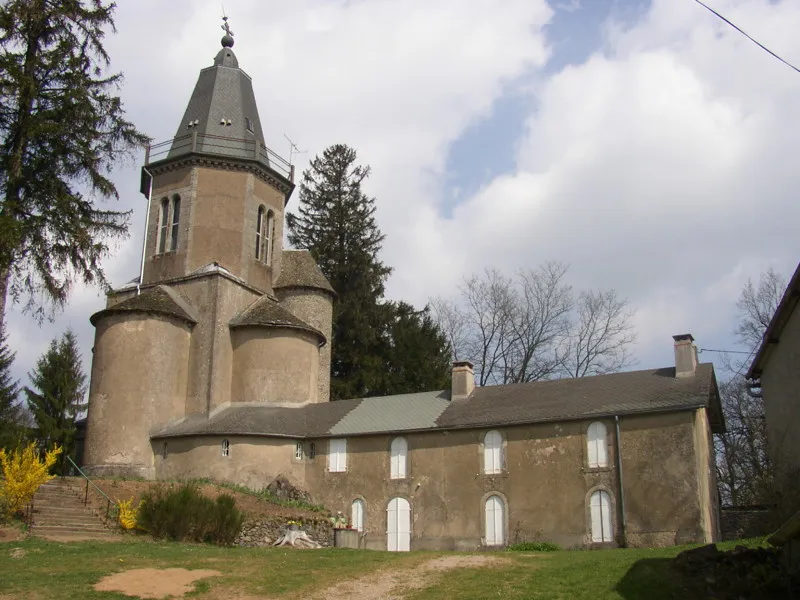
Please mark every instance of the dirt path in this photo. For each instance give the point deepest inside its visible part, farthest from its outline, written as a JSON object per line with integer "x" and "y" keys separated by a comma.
{"x": 393, "y": 584}
{"x": 153, "y": 583}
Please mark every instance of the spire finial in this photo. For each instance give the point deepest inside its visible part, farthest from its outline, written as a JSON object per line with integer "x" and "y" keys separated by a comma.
{"x": 227, "y": 39}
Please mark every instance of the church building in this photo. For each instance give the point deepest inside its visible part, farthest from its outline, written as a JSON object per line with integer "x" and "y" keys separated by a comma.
{"x": 216, "y": 363}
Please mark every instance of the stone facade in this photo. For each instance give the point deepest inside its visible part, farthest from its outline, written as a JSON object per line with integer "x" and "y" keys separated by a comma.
{"x": 217, "y": 365}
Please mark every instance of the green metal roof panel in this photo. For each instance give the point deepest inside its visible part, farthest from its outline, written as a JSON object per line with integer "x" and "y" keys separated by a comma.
{"x": 394, "y": 413}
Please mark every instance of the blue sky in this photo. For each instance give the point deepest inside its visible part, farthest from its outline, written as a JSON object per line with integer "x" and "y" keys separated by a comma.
{"x": 643, "y": 143}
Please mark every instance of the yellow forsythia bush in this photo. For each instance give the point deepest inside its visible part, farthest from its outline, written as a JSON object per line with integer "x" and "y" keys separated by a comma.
{"x": 128, "y": 514}
{"x": 24, "y": 470}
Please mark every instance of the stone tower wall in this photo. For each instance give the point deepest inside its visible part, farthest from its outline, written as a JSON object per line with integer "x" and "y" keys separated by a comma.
{"x": 315, "y": 307}
{"x": 139, "y": 380}
{"x": 274, "y": 365}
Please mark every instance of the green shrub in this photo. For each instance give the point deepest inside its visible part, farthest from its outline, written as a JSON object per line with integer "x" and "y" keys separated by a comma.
{"x": 534, "y": 547}
{"x": 184, "y": 514}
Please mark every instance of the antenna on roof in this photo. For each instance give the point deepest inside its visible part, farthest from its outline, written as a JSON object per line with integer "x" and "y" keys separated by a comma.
{"x": 293, "y": 149}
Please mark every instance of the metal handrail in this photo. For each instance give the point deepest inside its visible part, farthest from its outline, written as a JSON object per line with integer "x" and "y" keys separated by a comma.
{"x": 94, "y": 485}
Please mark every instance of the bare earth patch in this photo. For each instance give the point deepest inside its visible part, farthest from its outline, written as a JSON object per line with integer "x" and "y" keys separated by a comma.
{"x": 393, "y": 584}
{"x": 153, "y": 583}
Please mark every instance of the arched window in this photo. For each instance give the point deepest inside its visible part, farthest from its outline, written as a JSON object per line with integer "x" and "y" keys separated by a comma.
{"x": 163, "y": 226}
{"x": 312, "y": 450}
{"x": 298, "y": 451}
{"x": 226, "y": 448}
{"x": 399, "y": 460}
{"x": 259, "y": 231}
{"x": 493, "y": 452}
{"x": 357, "y": 514}
{"x": 269, "y": 233}
{"x": 600, "y": 507}
{"x": 495, "y": 521}
{"x": 398, "y": 525}
{"x": 597, "y": 448}
{"x": 176, "y": 217}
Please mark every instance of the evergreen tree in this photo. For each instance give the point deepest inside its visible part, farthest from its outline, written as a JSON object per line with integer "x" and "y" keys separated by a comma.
{"x": 419, "y": 353}
{"x": 58, "y": 394}
{"x": 10, "y": 410}
{"x": 374, "y": 346}
{"x": 62, "y": 127}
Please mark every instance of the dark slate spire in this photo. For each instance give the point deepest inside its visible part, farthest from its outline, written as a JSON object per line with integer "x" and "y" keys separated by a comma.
{"x": 222, "y": 105}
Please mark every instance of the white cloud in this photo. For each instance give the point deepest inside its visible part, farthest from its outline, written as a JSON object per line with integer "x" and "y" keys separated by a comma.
{"x": 663, "y": 166}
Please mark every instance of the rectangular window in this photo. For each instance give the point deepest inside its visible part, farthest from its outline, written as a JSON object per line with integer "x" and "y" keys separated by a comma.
{"x": 176, "y": 217}
{"x": 249, "y": 124}
{"x": 298, "y": 451}
{"x": 337, "y": 455}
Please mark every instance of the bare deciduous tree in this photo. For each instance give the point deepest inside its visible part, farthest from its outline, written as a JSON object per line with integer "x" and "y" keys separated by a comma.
{"x": 744, "y": 471}
{"x": 531, "y": 327}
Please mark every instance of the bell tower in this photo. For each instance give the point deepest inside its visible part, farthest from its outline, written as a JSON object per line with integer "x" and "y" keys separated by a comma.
{"x": 218, "y": 193}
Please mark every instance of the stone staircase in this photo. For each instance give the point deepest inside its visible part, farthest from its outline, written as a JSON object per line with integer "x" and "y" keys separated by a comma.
{"x": 59, "y": 513}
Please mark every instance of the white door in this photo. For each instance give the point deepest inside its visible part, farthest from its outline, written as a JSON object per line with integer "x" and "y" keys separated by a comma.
{"x": 495, "y": 522}
{"x": 601, "y": 517}
{"x": 357, "y": 514}
{"x": 398, "y": 530}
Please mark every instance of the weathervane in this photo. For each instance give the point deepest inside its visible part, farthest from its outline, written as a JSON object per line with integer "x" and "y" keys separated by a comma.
{"x": 225, "y": 27}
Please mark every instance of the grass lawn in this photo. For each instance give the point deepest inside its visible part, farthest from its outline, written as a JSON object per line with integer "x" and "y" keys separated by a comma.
{"x": 60, "y": 570}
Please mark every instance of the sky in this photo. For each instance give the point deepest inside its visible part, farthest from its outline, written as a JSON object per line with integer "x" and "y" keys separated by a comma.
{"x": 645, "y": 143}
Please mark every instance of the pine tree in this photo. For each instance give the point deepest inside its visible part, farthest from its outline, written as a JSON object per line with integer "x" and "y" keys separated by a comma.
{"x": 10, "y": 410}
{"x": 336, "y": 223}
{"x": 58, "y": 394}
{"x": 418, "y": 357}
{"x": 62, "y": 127}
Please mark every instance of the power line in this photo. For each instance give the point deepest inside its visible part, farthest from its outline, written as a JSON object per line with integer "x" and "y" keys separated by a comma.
{"x": 756, "y": 42}
{"x": 723, "y": 351}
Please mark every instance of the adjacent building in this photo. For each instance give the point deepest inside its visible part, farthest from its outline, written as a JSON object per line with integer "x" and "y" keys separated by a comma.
{"x": 216, "y": 363}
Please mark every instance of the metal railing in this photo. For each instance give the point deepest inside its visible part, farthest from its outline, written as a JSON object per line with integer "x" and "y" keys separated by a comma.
{"x": 109, "y": 501}
{"x": 201, "y": 143}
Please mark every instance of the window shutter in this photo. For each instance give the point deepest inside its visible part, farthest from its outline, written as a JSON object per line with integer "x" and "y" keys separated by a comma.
{"x": 337, "y": 455}
{"x": 493, "y": 452}
{"x": 399, "y": 458}
{"x": 597, "y": 449}
{"x": 600, "y": 506}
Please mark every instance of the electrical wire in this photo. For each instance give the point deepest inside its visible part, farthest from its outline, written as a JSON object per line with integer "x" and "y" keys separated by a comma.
{"x": 756, "y": 42}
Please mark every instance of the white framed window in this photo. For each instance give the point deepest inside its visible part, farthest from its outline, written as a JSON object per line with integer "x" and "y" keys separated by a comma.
{"x": 357, "y": 510}
{"x": 163, "y": 226}
{"x": 259, "y": 231}
{"x": 176, "y": 217}
{"x": 269, "y": 233}
{"x": 337, "y": 455}
{"x": 265, "y": 232}
{"x": 399, "y": 460}
{"x": 597, "y": 446}
{"x": 298, "y": 451}
{"x": 600, "y": 509}
{"x": 494, "y": 521}
{"x": 226, "y": 448}
{"x": 492, "y": 452}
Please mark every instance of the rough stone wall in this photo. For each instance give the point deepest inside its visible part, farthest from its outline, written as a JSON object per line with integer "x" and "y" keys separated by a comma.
{"x": 780, "y": 384}
{"x": 252, "y": 461}
{"x": 545, "y": 485}
{"x": 274, "y": 365}
{"x": 662, "y": 495}
{"x": 265, "y": 531}
{"x": 169, "y": 264}
{"x": 139, "y": 379}
{"x": 315, "y": 307}
{"x": 736, "y": 524}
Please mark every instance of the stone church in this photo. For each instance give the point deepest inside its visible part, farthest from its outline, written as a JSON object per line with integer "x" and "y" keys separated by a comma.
{"x": 216, "y": 363}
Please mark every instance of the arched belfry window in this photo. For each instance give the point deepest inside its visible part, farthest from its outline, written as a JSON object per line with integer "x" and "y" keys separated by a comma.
{"x": 265, "y": 232}
{"x": 597, "y": 447}
{"x": 226, "y": 448}
{"x": 176, "y": 217}
{"x": 163, "y": 225}
{"x": 269, "y": 234}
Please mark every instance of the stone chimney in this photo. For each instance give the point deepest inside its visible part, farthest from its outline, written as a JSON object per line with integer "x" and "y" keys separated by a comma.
{"x": 685, "y": 355}
{"x": 463, "y": 380}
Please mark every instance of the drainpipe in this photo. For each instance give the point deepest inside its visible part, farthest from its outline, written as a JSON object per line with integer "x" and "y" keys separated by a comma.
{"x": 624, "y": 523}
{"x": 147, "y": 194}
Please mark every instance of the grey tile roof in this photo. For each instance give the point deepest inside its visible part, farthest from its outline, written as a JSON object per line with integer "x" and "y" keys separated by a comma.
{"x": 634, "y": 392}
{"x": 299, "y": 269}
{"x": 266, "y": 312}
{"x": 159, "y": 300}
{"x": 615, "y": 394}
